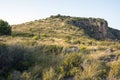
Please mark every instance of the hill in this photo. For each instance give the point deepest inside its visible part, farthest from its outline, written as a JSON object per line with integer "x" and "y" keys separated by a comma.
{"x": 61, "y": 48}
{"x": 60, "y": 25}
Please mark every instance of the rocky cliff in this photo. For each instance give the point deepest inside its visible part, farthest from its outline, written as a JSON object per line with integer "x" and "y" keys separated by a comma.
{"x": 114, "y": 34}
{"x": 96, "y": 28}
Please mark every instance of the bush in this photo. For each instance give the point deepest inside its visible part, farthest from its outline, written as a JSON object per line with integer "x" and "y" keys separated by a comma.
{"x": 36, "y": 37}
{"x": 49, "y": 74}
{"x": 71, "y": 64}
{"x": 83, "y": 48}
{"x": 5, "y": 28}
{"x": 16, "y": 57}
{"x": 26, "y": 76}
{"x": 15, "y": 75}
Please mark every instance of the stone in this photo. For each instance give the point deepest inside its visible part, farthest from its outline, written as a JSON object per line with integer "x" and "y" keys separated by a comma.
{"x": 72, "y": 49}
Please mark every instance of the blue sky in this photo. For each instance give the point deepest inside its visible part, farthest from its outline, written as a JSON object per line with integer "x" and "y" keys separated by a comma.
{"x": 19, "y": 11}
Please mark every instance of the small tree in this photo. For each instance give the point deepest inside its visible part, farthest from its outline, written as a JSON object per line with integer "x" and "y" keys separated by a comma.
{"x": 5, "y": 28}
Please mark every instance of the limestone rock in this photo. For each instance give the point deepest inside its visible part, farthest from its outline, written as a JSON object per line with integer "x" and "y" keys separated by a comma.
{"x": 96, "y": 28}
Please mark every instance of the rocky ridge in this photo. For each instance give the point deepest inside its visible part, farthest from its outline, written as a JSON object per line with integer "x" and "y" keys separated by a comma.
{"x": 96, "y": 28}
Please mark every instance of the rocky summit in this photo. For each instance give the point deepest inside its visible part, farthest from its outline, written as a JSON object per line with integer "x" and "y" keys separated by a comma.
{"x": 96, "y": 28}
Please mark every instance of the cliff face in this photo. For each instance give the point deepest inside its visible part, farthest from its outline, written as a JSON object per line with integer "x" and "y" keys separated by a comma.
{"x": 96, "y": 28}
{"x": 114, "y": 34}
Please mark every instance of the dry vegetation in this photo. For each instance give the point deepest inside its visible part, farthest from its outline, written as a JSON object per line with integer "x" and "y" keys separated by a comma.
{"x": 50, "y": 49}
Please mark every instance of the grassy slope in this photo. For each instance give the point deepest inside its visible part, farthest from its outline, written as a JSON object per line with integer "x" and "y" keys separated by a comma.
{"x": 48, "y": 39}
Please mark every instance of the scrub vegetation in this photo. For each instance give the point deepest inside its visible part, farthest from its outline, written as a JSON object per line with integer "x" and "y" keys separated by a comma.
{"x": 58, "y": 48}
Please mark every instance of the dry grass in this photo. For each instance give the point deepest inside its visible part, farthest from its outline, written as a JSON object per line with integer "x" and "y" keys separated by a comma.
{"x": 54, "y": 36}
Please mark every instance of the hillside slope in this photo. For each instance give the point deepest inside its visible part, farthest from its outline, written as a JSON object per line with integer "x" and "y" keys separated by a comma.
{"x": 61, "y": 48}
{"x": 61, "y": 25}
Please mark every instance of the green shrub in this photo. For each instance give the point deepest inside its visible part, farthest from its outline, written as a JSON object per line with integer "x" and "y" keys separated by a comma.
{"x": 15, "y": 75}
{"x": 15, "y": 57}
{"x": 5, "y": 28}
{"x": 83, "y": 48}
{"x": 36, "y": 37}
{"x": 45, "y": 35}
{"x": 26, "y": 76}
{"x": 49, "y": 74}
{"x": 71, "y": 64}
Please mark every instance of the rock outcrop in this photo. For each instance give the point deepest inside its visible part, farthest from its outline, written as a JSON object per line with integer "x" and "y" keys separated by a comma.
{"x": 114, "y": 34}
{"x": 96, "y": 28}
